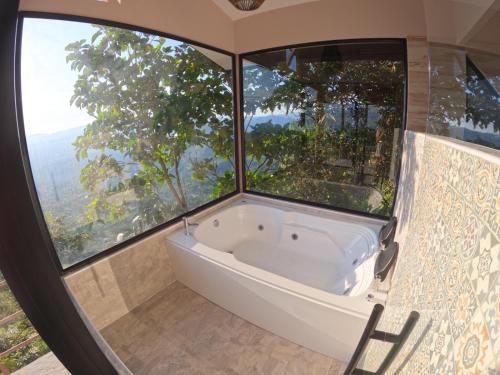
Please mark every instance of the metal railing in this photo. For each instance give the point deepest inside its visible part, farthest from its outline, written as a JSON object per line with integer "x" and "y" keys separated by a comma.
{"x": 12, "y": 318}
{"x": 371, "y": 333}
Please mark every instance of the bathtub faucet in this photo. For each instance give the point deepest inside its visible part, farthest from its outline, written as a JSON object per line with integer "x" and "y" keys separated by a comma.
{"x": 187, "y": 225}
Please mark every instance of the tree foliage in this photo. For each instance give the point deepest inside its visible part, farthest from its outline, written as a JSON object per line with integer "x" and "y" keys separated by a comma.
{"x": 151, "y": 100}
{"x": 301, "y": 158}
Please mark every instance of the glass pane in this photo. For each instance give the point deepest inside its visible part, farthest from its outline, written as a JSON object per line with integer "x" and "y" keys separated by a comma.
{"x": 464, "y": 95}
{"x": 125, "y": 130}
{"x": 482, "y": 109}
{"x": 323, "y": 123}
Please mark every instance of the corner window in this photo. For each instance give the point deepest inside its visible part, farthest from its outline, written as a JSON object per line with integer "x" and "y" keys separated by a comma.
{"x": 323, "y": 124}
{"x": 125, "y": 130}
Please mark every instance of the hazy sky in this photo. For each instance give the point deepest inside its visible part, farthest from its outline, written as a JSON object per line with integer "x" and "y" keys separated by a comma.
{"x": 46, "y": 79}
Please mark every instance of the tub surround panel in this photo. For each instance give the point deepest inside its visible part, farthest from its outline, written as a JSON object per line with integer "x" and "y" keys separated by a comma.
{"x": 449, "y": 263}
{"x": 180, "y": 332}
{"x": 110, "y": 288}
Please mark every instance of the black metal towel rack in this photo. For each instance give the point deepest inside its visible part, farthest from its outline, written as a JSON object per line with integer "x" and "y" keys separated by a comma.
{"x": 371, "y": 333}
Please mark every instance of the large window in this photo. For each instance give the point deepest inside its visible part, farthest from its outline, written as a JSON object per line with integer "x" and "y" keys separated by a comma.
{"x": 323, "y": 123}
{"x": 125, "y": 130}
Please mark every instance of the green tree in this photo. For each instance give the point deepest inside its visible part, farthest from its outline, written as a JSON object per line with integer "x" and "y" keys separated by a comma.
{"x": 151, "y": 100}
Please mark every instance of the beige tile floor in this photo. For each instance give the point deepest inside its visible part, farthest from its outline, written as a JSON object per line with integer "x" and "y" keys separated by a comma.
{"x": 45, "y": 365}
{"x": 180, "y": 332}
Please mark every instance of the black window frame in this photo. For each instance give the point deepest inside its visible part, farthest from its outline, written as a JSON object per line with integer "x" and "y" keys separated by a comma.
{"x": 26, "y": 258}
{"x": 22, "y": 15}
{"x": 242, "y": 56}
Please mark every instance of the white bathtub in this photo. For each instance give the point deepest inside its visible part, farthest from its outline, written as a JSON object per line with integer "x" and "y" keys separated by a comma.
{"x": 304, "y": 277}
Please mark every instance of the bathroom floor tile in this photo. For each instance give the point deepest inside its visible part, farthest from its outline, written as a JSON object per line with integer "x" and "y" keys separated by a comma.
{"x": 178, "y": 331}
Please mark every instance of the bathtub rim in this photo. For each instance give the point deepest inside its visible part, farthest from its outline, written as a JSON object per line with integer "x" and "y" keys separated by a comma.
{"x": 329, "y": 213}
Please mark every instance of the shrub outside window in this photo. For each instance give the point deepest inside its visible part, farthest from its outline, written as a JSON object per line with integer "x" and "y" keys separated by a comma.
{"x": 323, "y": 123}
{"x": 125, "y": 130}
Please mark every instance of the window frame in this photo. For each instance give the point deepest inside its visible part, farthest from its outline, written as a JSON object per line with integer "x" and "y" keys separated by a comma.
{"x": 242, "y": 56}
{"x": 22, "y": 15}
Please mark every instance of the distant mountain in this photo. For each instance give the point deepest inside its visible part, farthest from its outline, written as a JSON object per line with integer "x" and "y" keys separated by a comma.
{"x": 488, "y": 139}
{"x": 56, "y": 171}
{"x": 334, "y": 120}
{"x": 275, "y": 119}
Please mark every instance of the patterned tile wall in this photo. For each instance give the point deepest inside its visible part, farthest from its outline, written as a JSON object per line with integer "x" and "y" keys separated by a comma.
{"x": 449, "y": 263}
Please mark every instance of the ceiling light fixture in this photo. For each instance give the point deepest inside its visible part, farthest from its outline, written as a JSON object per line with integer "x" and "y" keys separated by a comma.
{"x": 246, "y": 5}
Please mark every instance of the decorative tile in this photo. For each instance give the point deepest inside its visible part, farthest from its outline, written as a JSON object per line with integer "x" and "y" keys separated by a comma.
{"x": 484, "y": 188}
{"x": 454, "y": 278}
{"x": 485, "y": 266}
{"x": 491, "y": 312}
{"x": 449, "y": 267}
{"x": 461, "y": 309}
{"x": 473, "y": 352}
{"x": 441, "y": 345}
{"x": 468, "y": 239}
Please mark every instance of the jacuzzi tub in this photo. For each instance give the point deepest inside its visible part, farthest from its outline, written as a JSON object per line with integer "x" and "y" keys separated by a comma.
{"x": 304, "y": 277}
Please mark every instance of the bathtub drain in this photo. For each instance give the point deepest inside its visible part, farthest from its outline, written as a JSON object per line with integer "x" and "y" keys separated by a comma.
{"x": 260, "y": 227}
{"x": 295, "y": 236}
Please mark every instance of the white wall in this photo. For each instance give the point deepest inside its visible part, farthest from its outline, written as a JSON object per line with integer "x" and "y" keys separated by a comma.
{"x": 198, "y": 20}
{"x": 468, "y": 23}
{"x": 330, "y": 20}
{"x": 203, "y": 21}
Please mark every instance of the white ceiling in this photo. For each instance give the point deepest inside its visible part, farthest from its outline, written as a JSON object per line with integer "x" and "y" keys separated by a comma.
{"x": 268, "y": 5}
